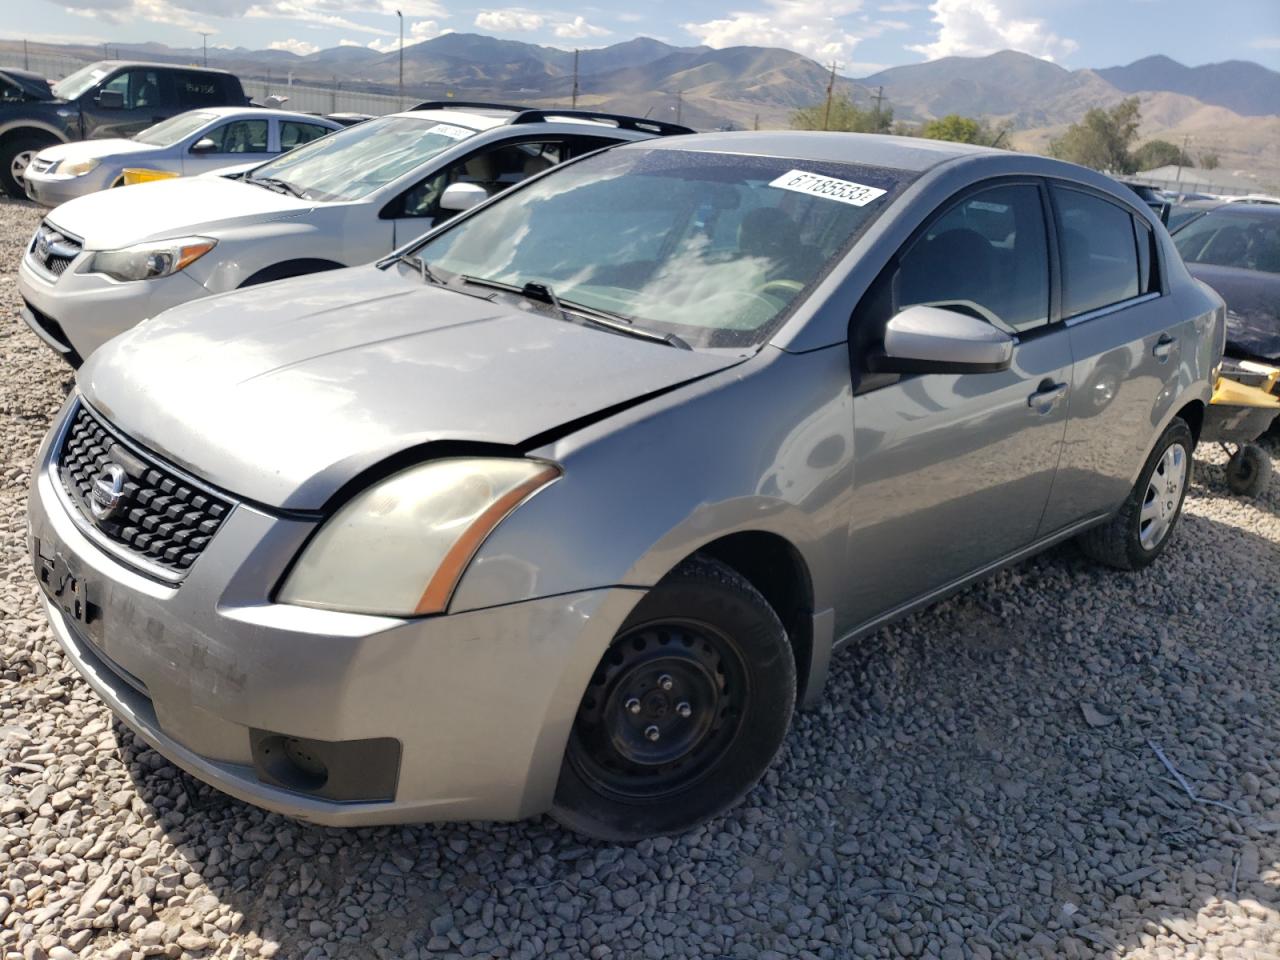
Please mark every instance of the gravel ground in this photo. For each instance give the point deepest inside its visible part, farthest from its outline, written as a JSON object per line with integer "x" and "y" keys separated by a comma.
{"x": 980, "y": 782}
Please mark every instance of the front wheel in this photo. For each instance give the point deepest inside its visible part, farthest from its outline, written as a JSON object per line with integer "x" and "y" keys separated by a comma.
{"x": 1143, "y": 526}
{"x": 684, "y": 713}
{"x": 15, "y": 155}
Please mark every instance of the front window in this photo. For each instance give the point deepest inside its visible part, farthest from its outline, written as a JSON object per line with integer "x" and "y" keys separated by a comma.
{"x": 711, "y": 247}
{"x": 355, "y": 162}
{"x": 168, "y": 132}
{"x": 1230, "y": 238}
{"x": 73, "y": 85}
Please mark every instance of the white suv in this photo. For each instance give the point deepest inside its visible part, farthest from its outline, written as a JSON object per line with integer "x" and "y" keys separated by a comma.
{"x": 102, "y": 263}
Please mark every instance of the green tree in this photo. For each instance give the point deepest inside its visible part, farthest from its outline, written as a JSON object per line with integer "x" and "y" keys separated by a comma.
{"x": 962, "y": 130}
{"x": 1102, "y": 138}
{"x": 1209, "y": 160}
{"x": 1159, "y": 153}
{"x": 845, "y": 115}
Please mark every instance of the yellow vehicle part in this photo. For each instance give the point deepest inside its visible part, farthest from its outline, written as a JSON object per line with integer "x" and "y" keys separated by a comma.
{"x": 134, "y": 175}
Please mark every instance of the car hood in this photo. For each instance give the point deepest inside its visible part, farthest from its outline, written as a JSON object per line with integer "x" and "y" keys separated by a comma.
{"x": 96, "y": 149}
{"x": 1253, "y": 308}
{"x": 170, "y": 208}
{"x": 283, "y": 393}
{"x": 35, "y": 87}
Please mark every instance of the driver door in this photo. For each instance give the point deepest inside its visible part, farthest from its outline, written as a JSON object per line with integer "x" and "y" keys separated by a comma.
{"x": 953, "y": 471}
{"x": 145, "y": 96}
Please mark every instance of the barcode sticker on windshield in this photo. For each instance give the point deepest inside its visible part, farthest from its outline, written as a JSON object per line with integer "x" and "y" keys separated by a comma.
{"x": 829, "y": 187}
{"x": 449, "y": 130}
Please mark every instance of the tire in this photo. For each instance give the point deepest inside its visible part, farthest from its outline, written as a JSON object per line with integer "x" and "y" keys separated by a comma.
{"x": 11, "y": 155}
{"x": 730, "y": 690}
{"x": 1143, "y": 526}
{"x": 1249, "y": 471}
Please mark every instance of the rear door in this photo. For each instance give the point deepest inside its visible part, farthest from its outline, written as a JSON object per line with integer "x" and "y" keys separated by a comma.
{"x": 953, "y": 471}
{"x": 1126, "y": 348}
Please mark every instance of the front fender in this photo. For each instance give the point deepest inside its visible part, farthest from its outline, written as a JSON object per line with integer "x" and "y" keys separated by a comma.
{"x": 764, "y": 446}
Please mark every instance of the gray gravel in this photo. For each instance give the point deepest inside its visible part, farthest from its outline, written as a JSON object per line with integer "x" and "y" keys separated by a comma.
{"x": 980, "y": 782}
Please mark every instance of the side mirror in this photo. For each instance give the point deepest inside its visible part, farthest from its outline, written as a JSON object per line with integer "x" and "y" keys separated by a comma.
{"x": 203, "y": 145}
{"x": 924, "y": 339}
{"x": 110, "y": 100}
{"x": 463, "y": 196}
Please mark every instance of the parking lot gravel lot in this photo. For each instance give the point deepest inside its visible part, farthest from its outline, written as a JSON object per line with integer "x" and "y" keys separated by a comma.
{"x": 982, "y": 780}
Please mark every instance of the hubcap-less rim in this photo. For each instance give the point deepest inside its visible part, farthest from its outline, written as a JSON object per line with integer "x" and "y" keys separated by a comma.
{"x": 663, "y": 706}
{"x": 18, "y": 168}
{"x": 1164, "y": 497}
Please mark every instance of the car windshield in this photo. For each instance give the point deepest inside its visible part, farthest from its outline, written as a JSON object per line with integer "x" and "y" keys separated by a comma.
{"x": 711, "y": 247}
{"x": 1232, "y": 238}
{"x": 74, "y": 84}
{"x": 354, "y": 162}
{"x": 168, "y": 132}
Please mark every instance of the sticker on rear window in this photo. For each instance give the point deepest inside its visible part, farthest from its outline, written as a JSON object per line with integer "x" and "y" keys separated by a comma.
{"x": 450, "y": 131}
{"x": 845, "y": 191}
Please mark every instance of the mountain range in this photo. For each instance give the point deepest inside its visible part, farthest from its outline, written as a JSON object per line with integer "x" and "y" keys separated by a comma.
{"x": 743, "y": 86}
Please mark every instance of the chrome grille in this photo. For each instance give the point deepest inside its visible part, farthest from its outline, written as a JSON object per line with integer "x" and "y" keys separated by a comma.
{"x": 54, "y": 250}
{"x": 163, "y": 520}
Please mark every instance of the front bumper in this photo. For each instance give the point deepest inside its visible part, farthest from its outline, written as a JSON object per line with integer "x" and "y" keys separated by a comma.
{"x": 54, "y": 191}
{"x": 88, "y": 309}
{"x": 480, "y": 703}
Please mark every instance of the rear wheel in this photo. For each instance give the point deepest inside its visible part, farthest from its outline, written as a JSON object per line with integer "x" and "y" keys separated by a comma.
{"x": 684, "y": 713}
{"x": 1141, "y": 529}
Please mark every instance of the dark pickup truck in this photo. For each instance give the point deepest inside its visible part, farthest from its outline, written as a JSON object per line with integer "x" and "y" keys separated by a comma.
{"x": 110, "y": 98}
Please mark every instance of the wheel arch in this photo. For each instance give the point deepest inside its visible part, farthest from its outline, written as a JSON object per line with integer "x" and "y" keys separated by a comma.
{"x": 31, "y": 128}
{"x": 1193, "y": 413}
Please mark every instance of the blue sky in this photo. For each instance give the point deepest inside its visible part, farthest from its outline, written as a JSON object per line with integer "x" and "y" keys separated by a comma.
{"x": 861, "y": 35}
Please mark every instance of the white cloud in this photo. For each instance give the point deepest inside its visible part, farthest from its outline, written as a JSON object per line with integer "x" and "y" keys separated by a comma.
{"x": 194, "y": 14}
{"x": 971, "y": 28}
{"x": 1265, "y": 43}
{"x": 344, "y": 42}
{"x": 794, "y": 24}
{"x": 300, "y": 47}
{"x": 131, "y": 11}
{"x": 893, "y": 25}
{"x": 512, "y": 20}
{"x": 422, "y": 30}
{"x": 898, "y": 7}
{"x": 577, "y": 28}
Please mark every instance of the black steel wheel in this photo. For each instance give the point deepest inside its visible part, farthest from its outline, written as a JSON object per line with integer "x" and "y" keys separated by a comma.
{"x": 684, "y": 712}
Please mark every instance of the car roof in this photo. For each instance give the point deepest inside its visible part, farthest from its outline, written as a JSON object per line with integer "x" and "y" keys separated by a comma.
{"x": 475, "y": 119}
{"x": 190, "y": 68}
{"x": 874, "y": 149}
{"x": 257, "y": 112}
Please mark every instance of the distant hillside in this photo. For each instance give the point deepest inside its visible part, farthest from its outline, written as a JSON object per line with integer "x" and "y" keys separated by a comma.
{"x": 1246, "y": 88}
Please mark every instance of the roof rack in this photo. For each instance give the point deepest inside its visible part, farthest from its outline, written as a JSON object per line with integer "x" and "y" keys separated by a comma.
{"x": 639, "y": 124}
{"x": 466, "y": 105}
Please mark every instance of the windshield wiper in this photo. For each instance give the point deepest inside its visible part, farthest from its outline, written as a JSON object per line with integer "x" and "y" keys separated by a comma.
{"x": 280, "y": 186}
{"x": 421, "y": 265}
{"x": 600, "y": 318}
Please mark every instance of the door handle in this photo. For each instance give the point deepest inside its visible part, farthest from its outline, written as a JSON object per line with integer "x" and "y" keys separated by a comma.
{"x": 1163, "y": 347}
{"x": 1047, "y": 397}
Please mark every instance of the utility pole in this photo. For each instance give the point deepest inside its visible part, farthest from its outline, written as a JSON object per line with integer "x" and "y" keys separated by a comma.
{"x": 26, "y": 64}
{"x": 401, "y": 16}
{"x": 1178, "y": 181}
{"x": 756, "y": 125}
{"x": 878, "y": 98}
{"x": 679, "y": 106}
{"x": 831, "y": 86}
{"x": 106, "y": 54}
{"x": 205, "y": 36}
{"x": 575, "y": 78}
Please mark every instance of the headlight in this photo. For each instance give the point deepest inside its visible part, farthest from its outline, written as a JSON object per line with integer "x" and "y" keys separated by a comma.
{"x": 76, "y": 168}
{"x": 400, "y": 547}
{"x": 147, "y": 261}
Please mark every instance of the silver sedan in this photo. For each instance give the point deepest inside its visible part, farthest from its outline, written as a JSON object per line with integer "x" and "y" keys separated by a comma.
{"x": 565, "y": 506}
{"x": 190, "y": 143}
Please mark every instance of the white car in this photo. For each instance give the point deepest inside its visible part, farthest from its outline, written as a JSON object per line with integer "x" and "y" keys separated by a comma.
{"x": 101, "y": 263}
{"x": 190, "y": 143}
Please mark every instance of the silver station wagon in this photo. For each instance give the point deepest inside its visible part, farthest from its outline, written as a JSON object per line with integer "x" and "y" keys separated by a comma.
{"x": 565, "y": 507}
